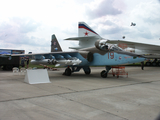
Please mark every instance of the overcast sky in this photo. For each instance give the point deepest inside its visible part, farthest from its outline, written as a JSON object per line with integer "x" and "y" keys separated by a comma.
{"x": 29, "y": 24}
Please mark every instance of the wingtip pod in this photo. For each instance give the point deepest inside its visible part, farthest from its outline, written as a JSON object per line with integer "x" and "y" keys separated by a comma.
{"x": 85, "y": 30}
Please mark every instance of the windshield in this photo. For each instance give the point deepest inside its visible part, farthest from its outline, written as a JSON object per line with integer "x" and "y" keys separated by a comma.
{"x": 114, "y": 48}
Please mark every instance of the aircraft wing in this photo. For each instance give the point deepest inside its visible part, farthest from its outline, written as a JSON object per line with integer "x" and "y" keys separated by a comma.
{"x": 79, "y": 57}
{"x": 55, "y": 58}
{"x": 84, "y": 42}
{"x": 49, "y": 53}
{"x": 145, "y": 48}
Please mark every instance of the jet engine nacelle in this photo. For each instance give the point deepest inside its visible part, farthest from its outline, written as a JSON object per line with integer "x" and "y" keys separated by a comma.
{"x": 104, "y": 46}
{"x": 88, "y": 55}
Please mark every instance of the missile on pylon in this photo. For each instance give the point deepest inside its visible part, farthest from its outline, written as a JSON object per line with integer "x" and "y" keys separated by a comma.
{"x": 43, "y": 61}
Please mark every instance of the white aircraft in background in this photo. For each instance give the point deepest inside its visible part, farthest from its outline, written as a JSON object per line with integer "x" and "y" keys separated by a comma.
{"x": 87, "y": 38}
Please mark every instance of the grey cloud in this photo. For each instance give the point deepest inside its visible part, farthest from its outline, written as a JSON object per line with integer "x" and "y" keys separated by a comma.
{"x": 109, "y": 23}
{"x": 110, "y": 27}
{"x": 116, "y": 32}
{"x": 113, "y": 30}
{"x": 15, "y": 31}
{"x": 25, "y": 24}
{"x": 103, "y": 9}
{"x": 144, "y": 33}
{"x": 152, "y": 20}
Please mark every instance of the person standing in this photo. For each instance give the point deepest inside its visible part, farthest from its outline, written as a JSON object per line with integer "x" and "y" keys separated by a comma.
{"x": 27, "y": 61}
{"x": 22, "y": 62}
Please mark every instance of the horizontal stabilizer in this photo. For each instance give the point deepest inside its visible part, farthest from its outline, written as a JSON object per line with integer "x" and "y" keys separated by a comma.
{"x": 83, "y": 38}
{"x": 77, "y": 48}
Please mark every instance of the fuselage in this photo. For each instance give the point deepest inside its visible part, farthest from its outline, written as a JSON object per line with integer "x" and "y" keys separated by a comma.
{"x": 110, "y": 59}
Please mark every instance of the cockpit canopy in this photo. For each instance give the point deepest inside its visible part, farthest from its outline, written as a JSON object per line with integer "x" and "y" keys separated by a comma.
{"x": 104, "y": 46}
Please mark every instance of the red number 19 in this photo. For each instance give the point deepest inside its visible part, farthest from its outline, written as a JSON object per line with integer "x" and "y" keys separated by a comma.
{"x": 111, "y": 55}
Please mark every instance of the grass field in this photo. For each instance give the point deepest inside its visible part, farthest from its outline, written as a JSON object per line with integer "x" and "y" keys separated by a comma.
{"x": 37, "y": 66}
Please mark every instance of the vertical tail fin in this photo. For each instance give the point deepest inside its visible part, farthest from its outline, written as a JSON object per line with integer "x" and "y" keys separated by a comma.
{"x": 84, "y": 30}
{"x": 55, "y": 47}
{"x": 86, "y": 36}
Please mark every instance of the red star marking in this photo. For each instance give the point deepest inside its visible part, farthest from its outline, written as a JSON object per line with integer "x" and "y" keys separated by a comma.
{"x": 86, "y": 33}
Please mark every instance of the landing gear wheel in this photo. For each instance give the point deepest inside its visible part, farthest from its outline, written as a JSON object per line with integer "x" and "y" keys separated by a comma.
{"x": 104, "y": 74}
{"x": 88, "y": 71}
{"x": 68, "y": 72}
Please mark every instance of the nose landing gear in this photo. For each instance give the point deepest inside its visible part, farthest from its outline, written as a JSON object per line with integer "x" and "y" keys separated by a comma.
{"x": 104, "y": 73}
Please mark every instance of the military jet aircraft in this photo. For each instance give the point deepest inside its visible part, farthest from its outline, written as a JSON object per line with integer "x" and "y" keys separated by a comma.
{"x": 101, "y": 54}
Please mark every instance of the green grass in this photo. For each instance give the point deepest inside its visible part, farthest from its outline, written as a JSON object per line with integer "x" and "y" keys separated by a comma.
{"x": 37, "y": 66}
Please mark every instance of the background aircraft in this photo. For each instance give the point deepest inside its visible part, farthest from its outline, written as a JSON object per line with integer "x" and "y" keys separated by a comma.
{"x": 133, "y": 24}
{"x": 100, "y": 54}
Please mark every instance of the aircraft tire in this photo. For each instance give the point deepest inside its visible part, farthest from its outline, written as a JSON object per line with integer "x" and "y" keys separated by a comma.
{"x": 68, "y": 72}
{"x": 88, "y": 71}
{"x": 104, "y": 74}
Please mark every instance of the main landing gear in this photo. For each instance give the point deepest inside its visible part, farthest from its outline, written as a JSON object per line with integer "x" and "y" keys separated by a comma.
{"x": 68, "y": 71}
{"x": 87, "y": 71}
{"x": 104, "y": 73}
